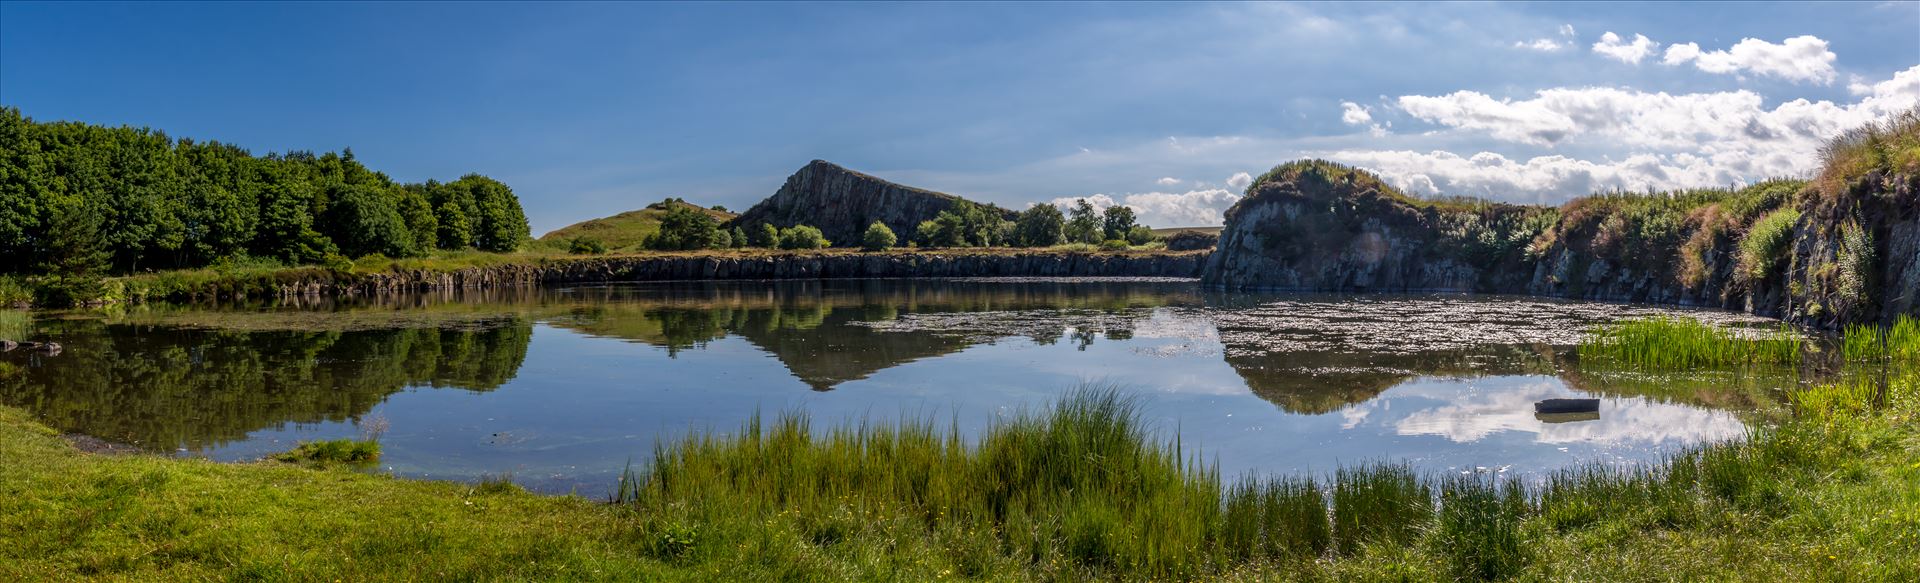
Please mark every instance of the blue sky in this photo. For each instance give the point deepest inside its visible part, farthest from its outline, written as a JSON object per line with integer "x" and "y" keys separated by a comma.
{"x": 595, "y": 108}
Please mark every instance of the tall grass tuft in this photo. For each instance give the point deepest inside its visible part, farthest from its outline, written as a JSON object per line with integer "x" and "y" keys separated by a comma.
{"x": 1477, "y": 529}
{"x": 15, "y": 324}
{"x": 1378, "y": 504}
{"x": 1081, "y": 483}
{"x": 1899, "y": 343}
{"x": 1679, "y": 343}
{"x": 1277, "y": 519}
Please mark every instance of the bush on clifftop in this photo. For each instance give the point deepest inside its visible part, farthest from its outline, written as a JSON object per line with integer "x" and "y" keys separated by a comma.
{"x": 878, "y": 237}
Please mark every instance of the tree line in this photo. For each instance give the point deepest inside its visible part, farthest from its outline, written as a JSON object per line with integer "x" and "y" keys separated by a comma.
{"x": 684, "y": 227}
{"x": 80, "y": 199}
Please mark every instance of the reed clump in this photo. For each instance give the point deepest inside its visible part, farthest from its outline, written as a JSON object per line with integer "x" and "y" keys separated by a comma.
{"x": 1082, "y": 485}
{"x": 1899, "y": 343}
{"x": 1676, "y": 342}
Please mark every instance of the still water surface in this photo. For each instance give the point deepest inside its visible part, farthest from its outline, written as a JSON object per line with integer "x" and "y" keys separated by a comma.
{"x": 560, "y": 388}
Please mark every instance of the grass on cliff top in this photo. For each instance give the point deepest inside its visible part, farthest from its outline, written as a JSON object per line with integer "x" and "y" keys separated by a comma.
{"x": 1890, "y": 146}
{"x": 628, "y": 229}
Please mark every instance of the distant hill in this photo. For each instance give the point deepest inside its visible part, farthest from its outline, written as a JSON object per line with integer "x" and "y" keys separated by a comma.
{"x": 842, "y": 202}
{"x": 629, "y": 228}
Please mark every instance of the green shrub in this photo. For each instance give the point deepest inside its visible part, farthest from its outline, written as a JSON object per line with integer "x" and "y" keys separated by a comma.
{"x": 1139, "y": 235}
{"x": 14, "y": 290}
{"x": 1766, "y": 244}
{"x": 586, "y": 246}
{"x": 1113, "y": 245}
{"x": 878, "y": 237}
{"x": 337, "y": 263}
{"x": 1040, "y": 225}
{"x": 684, "y": 228}
{"x": 67, "y": 290}
{"x": 802, "y": 237}
{"x": 764, "y": 235}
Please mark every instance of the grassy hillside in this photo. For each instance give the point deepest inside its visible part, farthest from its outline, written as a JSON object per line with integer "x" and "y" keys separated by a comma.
{"x": 627, "y": 229}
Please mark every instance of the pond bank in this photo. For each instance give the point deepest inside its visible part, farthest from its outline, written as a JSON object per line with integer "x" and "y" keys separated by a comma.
{"x": 511, "y": 271}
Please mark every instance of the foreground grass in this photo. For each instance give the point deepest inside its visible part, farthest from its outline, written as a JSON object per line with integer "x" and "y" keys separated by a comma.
{"x": 66, "y": 514}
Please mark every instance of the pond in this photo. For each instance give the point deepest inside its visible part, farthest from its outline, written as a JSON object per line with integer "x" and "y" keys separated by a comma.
{"x": 560, "y": 389}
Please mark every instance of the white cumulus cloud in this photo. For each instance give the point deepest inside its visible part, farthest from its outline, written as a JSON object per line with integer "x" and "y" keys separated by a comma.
{"x": 1545, "y": 45}
{"x": 1801, "y": 59}
{"x": 1240, "y": 181}
{"x": 1201, "y": 207}
{"x": 1167, "y": 181}
{"x": 1617, "y": 48}
{"x": 1354, "y": 113}
{"x": 1542, "y": 179}
{"x": 1666, "y": 140}
{"x": 1548, "y": 45}
{"x": 1659, "y": 120}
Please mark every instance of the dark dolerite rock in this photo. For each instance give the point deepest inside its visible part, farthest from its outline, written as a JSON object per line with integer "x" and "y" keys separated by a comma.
{"x": 1192, "y": 241}
{"x": 1317, "y": 226}
{"x": 1856, "y": 252}
{"x": 842, "y": 203}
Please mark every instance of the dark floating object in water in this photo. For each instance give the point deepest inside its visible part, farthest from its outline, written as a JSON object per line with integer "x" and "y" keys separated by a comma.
{"x": 1567, "y": 406}
{"x": 1567, "y": 417}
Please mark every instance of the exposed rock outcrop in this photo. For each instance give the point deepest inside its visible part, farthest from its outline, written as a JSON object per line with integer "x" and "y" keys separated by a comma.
{"x": 842, "y": 203}
{"x": 1856, "y": 254}
{"x": 1337, "y": 229}
{"x": 1317, "y": 226}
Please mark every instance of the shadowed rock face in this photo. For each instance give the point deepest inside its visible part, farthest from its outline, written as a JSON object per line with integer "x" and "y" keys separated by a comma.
{"x": 1334, "y": 229}
{"x": 1884, "y": 211}
{"x": 1323, "y": 236}
{"x": 841, "y": 203}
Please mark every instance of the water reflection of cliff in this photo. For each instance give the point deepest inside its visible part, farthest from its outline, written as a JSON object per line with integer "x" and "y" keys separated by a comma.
{"x": 829, "y": 333}
{"x": 172, "y": 388}
{"x": 1323, "y": 382}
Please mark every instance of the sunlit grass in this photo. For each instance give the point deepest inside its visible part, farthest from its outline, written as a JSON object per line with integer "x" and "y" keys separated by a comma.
{"x": 15, "y": 325}
{"x": 1899, "y": 342}
{"x": 1674, "y": 342}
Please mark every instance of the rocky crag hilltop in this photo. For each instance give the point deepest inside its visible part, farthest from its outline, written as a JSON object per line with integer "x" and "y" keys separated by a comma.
{"x": 842, "y": 202}
{"x": 1842, "y": 248}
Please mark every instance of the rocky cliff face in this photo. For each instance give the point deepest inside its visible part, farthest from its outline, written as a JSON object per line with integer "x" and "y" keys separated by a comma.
{"x": 1321, "y": 227}
{"x": 841, "y": 203}
{"x": 1856, "y": 254}
{"x": 1345, "y": 232}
